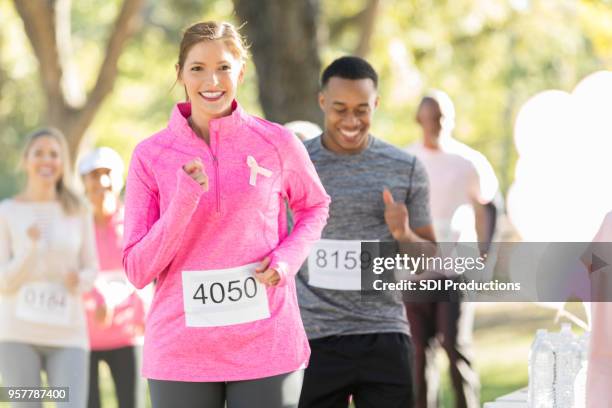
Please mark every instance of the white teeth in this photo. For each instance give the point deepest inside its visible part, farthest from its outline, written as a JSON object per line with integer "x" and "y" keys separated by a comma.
{"x": 45, "y": 171}
{"x": 211, "y": 95}
{"x": 349, "y": 133}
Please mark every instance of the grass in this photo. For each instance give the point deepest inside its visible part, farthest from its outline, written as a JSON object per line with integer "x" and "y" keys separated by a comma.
{"x": 503, "y": 334}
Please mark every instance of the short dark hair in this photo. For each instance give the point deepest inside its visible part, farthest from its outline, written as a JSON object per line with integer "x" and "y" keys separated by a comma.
{"x": 349, "y": 67}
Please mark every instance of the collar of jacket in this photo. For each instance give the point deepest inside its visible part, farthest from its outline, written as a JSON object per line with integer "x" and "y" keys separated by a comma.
{"x": 179, "y": 125}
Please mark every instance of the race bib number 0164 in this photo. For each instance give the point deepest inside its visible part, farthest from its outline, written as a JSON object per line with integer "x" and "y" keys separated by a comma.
{"x": 45, "y": 302}
{"x": 336, "y": 264}
{"x": 224, "y": 297}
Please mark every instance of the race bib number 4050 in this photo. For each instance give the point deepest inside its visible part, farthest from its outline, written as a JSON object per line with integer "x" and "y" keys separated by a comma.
{"x": 45, "y": 302}
{"x": 224, "y": 297}
{"x": 336, "y": 264}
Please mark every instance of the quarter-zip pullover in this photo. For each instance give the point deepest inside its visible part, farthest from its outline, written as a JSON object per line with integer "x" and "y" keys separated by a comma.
{"x": 173, "y": 226}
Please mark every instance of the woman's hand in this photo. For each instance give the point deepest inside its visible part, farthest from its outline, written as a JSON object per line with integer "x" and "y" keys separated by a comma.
{"x": 265, "y": 275}
{"x": 71, "y": 281}
{"x": 195, "y": 169}
{"x": 101, "y": 314}
{"x": 33, "y": 233}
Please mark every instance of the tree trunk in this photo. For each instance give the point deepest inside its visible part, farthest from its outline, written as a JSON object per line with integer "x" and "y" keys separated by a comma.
{"x": 364, "y": 21}
{"x": 368, "y": 22}
{"x": 283, "y": 38}
{"x": 47, "y": 23}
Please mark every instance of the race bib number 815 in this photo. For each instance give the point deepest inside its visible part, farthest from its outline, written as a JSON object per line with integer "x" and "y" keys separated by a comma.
{"x": 223, "y": 297}
{"x": 336, "y": 264}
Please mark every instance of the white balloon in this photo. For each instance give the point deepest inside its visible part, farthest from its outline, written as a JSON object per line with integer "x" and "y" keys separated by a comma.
{"x": 562, "y": 189}
{"x": 540, "y": 121}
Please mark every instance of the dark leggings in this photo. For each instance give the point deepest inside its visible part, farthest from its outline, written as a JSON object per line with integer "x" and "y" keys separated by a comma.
{"x": 122, "y": 364}
{"x": 280, "y": 391}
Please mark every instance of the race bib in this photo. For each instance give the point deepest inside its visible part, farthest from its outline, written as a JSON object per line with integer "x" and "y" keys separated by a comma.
{"x": 114, "y": 287}
{"x": 336, "y": 264}
{"x": 45, "y": 302}
{"x": 224, "y": 297}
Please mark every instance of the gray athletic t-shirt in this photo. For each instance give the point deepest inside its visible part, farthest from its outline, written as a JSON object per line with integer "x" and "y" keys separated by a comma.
{"x": 355, "y": 184}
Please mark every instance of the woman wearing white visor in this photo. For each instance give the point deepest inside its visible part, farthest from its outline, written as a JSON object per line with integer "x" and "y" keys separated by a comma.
{"x": 115, "y": 310}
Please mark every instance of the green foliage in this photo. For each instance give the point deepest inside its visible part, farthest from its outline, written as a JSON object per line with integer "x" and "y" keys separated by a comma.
{"x": 489, "y": 56}
{"x": 21, "y": 99}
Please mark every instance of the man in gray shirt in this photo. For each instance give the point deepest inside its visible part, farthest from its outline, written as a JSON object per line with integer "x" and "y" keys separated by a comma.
{"x": 359, "y": 348}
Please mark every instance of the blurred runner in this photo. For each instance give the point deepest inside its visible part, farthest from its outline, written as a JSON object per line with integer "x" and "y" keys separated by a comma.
{"x": 463, "y": 186}
{"x": 47, "y": 261}
{"x": 115, "y": 310}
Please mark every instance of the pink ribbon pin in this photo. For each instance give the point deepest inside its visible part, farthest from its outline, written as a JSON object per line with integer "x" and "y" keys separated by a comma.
{"x": 255, "y": 170}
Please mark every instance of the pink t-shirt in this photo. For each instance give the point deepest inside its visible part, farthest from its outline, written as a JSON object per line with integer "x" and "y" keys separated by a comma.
{"x": 175, "y": 231}
{"x": 123, "y": 302}
{"x": 459, "y": 176}
{"x": 599, "y": 374}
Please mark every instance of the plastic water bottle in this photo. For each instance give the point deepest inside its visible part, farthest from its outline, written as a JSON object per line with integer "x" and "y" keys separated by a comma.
{"x": 566, "y": 367}
{"x": 581, "y": 377}
{"x": 541, "y": 372}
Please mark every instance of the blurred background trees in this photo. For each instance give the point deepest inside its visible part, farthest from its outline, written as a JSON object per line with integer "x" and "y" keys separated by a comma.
{"x": 489, "y": 55}
{"x": 68, "y": 106}
{"x": 285, "y": 49}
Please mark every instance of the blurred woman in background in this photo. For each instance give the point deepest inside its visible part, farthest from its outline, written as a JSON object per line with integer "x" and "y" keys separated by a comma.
{"x": 47, "y": 261}
{"x": 115, "y": 310}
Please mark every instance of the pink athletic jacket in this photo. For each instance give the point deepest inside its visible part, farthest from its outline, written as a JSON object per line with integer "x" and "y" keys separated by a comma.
{"x": 172, "y": 225}
{"x": 128, "y": 316}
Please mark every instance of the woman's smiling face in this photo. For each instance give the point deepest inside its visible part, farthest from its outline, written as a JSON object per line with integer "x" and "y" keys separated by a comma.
{"x": 211, "y": 75}
{"x": 43, "y": 161}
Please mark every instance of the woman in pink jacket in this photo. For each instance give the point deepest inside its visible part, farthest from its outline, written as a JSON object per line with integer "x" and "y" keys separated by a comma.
{"x": 205, "y": 218}
{"x": 115, "y": 311}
